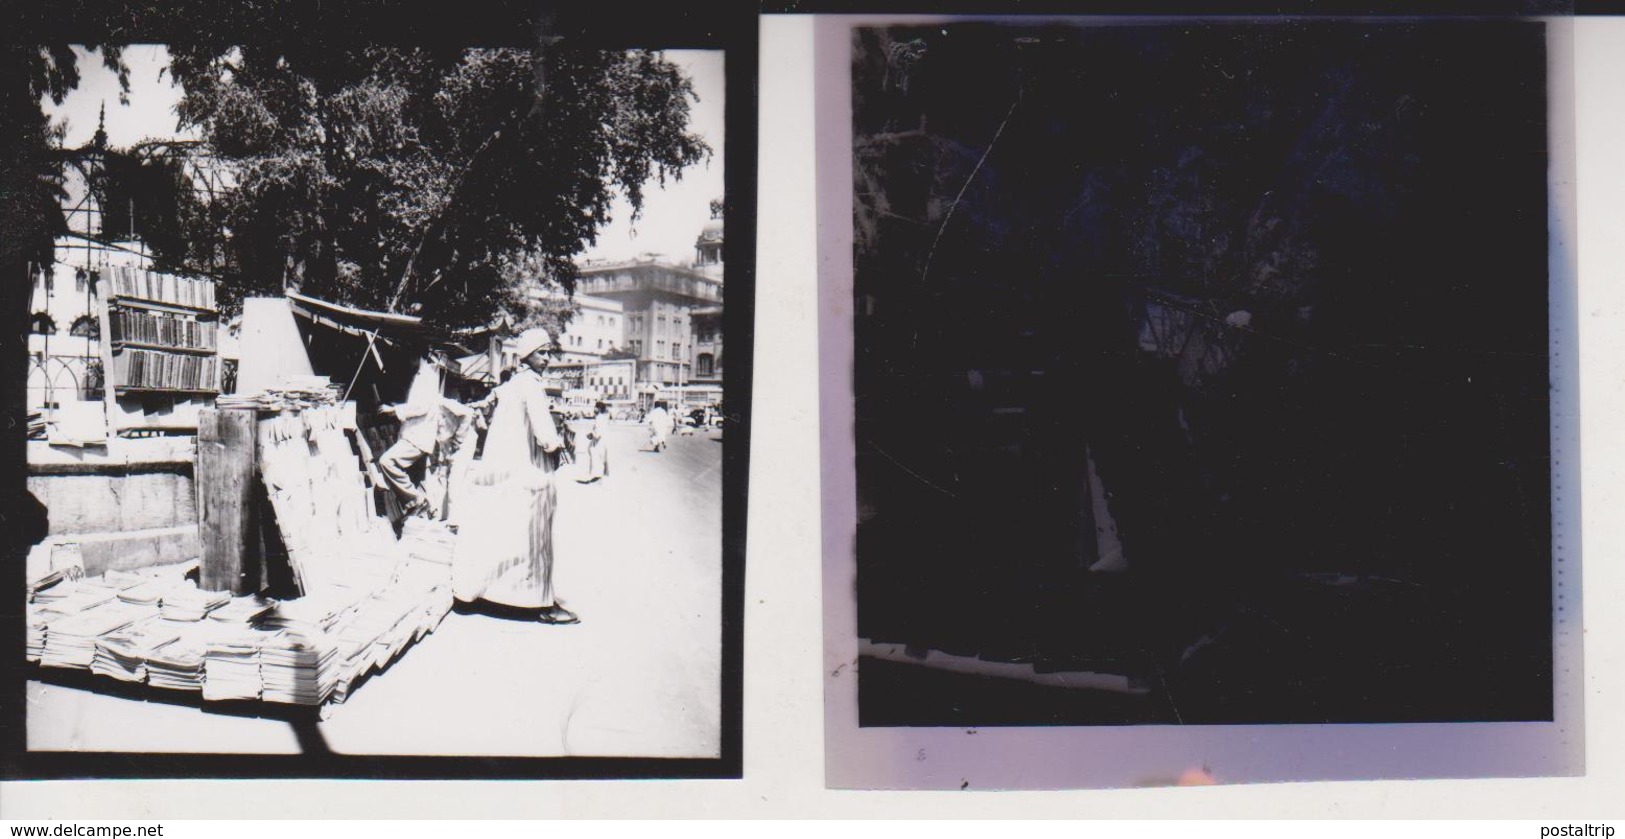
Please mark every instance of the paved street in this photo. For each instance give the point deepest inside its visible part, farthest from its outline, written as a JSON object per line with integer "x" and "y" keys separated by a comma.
{"x": 639, "y": 559}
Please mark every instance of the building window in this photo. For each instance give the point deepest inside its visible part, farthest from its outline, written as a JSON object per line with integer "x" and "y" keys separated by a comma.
{"x": 600, "y": 343}
{"x": 86, "y": 326}
{"x": 706, "y": 365}
{"x": 42, "y": 324}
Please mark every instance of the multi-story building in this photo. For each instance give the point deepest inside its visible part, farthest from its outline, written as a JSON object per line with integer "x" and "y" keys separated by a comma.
{"x": 706, "y": 321}
{"x": 672, "y": 316}
{"x": 706, "y": 324}
{"x": 596, "y": 330}
{"x": 657, "y": 298}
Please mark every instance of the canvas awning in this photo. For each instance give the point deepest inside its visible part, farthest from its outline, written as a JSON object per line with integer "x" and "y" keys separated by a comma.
{"x": 476, "y": 367}
{"x": 363, "y": 323}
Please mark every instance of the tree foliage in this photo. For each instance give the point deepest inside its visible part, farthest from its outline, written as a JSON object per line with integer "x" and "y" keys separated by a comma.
{"x": 417, "y": 179}
{"x": 30, "y": 179}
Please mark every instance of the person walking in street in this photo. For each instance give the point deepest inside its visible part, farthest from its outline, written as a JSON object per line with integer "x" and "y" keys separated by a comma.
{"x": 597, "y": 445}
{"x": 504, "y": 553}
{"x": 660, "y": 426}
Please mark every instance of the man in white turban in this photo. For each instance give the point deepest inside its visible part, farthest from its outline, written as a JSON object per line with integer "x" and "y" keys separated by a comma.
{"x": 505, "y": 548}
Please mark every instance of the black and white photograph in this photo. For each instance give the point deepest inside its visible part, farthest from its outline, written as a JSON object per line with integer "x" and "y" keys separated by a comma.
{"x": 376, "y": 398}
{"x": 1201, "y": 376}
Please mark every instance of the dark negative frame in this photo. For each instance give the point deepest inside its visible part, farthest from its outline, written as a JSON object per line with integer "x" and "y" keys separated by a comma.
{"x": 729, "y": 26}
{"x": 865, "y": 753}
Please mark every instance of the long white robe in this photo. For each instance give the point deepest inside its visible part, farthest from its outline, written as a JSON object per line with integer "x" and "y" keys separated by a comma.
{"x": 505, "y": 543}
{"x": 598, "y": 447}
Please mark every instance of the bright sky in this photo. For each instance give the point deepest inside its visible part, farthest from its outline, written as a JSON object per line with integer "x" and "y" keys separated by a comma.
{"x": 672, "y": 217}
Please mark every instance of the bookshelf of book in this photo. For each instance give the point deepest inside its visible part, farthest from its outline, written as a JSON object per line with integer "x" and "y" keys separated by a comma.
{"x": 160, "y": 357}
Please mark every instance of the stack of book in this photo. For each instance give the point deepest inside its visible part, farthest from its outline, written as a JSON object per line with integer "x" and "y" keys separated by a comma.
{"x": 157, "y": 370}
{"x": 313, "y": 614}
{"x": 244, "y": 610}
{"x": 161, "y": 288}
{"x": 231, "y": 662}
{"x": 178, "y": 665}
{"x": 165, "y": 329}
{"x": 303, "y": 665}
{"x": 38, "y": 620}
{"x": 151, "y": 592}
{"x": 404, "y": 609}
{"x": 69, "y": 597}
{"x": 290, "y": 393}
{"x": 189, "y": 603}
{"x": 71, "y": 641}
{"x": 298, "y": 668}
{"x": 355, "y": 641}
{"x": 430, "y": 582}
{"x": 123, "y": 653}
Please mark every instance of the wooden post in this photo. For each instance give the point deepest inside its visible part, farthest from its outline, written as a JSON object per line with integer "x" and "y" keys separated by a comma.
{"x": 228, "y": 523}
{"x": 115, "y": 415}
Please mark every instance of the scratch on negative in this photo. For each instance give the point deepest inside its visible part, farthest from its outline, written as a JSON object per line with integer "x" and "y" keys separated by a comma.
{"x": 951, "y": 207}
{"x": 917, "y": 476}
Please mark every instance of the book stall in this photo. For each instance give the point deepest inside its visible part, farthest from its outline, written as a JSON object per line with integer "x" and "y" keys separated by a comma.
{"x": 302, "y": 588}
{"x": 161, "y": 352}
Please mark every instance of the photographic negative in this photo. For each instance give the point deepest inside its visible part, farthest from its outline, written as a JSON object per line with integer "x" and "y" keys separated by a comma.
{"x": 1201, "y": 376}
{"x": 392, "y": 434}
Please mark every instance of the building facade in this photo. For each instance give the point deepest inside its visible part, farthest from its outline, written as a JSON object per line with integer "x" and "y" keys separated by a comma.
{"x": 598, "y": 329}
{"x": 671, "y": 317}
{"x": 644, "y": 330}
{"x": 64, "y": 342}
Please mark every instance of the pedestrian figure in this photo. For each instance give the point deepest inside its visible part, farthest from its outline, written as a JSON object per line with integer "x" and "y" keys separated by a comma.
{"x": 504, "y": 554}
{"x": 660, "y": 426}
{"x": 597, "y": 445}
{"x": 420, "y": 427}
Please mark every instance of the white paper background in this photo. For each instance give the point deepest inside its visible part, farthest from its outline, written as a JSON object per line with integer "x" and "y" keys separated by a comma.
{"x": 784, "y": 762}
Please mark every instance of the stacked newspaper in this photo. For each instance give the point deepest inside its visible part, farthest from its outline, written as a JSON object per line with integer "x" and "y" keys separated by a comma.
{"x": 149, "y": 592}
{"x": 70, "y": 597}
{"x": 38, "y": 620}
{"x": 430, "y": 585}
{"x": 178, "y": 665}
{"x": 298, "y": 668}
{"x": 244, "y": 609}
{"x": 123, "y": 653}
{"x": 231, "y": 661}
{"x": 302, "y": 666}
{"x": 188, "y": 603}
{"x": 355, "y": 639}
{"x": 427, "y": 540}
{"x": 290, "y": 393}
{"x": 71, "y": 641}
{"x": 405, "y": 618}
{"x": 313, "y": 614}
{"x": 61, "y": 600}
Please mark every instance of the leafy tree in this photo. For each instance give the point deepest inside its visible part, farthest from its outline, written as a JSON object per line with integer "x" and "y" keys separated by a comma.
{"x": 30, "y": 179}
{"x": 148, "y": 194}
{"x": 30, "y": 219}
{"x": 421, "y": 179}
